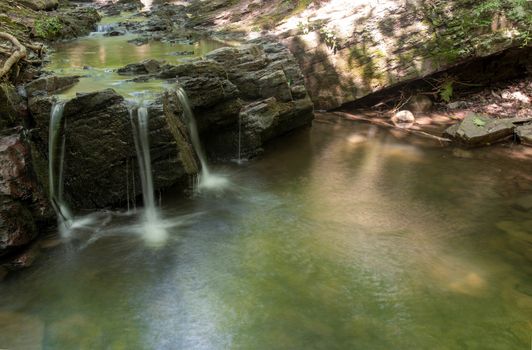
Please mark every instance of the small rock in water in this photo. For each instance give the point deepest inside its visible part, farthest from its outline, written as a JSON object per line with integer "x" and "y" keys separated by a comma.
{"x": 462, "y": 153}
{"x": 404, "y": 116}
{"x": 139, "y": 41}
{"x": 183, "y": 53}
{"x": 404, "y": 119}
{"x": 114, "y": 33}
{"x": 524, "y": 203}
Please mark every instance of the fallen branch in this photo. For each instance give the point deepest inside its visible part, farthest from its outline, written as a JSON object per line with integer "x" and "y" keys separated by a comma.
{"x": 388, "y": 125}
{"x": 16, "y": 56}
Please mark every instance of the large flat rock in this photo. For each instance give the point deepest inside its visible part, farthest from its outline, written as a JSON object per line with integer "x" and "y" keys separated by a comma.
{"x": 524, "y": 133}
{"x": 479, "y": 130}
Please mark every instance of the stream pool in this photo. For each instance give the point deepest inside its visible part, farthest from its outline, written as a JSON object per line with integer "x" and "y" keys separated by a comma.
{"x": 341, "y": 236}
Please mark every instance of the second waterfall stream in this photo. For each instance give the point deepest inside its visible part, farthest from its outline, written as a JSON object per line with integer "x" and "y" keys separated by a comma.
{"x": 154, "y": 233}
{"x": 206, "y": 179}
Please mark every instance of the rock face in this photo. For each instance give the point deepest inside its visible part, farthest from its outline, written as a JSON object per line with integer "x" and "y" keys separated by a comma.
{"x": 347, "y": 52}
{"x": 270, "y": 85}
{"x": 478, "y": 130}
{"x": 100, "y": 158}
{"x": 241, "y": 96}
{"x": 13, "y": 109}
{"x": 23, "y": 206}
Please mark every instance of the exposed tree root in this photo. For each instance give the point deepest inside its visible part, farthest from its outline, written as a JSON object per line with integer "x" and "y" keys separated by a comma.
{"x": 389, "y": 125}
{"x": 19, "y": 53}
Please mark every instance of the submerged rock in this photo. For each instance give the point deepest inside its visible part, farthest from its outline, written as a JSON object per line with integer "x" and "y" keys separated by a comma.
{"x": 21, "y": 331}
{"x": 100, "y": 158}
{"x": 50, "y": 85}
{"x": 149, "y": 66}
{"x": 478, "y": 130}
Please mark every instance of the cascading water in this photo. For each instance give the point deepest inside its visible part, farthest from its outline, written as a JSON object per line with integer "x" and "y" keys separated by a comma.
{"x": 206, "y": 180}
{"x": 104, "y": 28}
{"x": 154, "y": 233}
{"x": 56, "y": 155}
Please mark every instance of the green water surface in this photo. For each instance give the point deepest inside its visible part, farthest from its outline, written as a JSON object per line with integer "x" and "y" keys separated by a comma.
{"x": 340, "y": 237}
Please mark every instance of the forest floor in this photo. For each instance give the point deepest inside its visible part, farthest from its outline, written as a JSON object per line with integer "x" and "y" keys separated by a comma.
{"x": 508, "y": 99}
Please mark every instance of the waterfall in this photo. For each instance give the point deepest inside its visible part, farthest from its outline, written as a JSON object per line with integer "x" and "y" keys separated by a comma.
{"x": 207, "y": 180}
{"x": 56, "y": 156}
{"x": 153, "y": 232}
{"x": 104, "y": 28}
{"x": 239, "y": 161}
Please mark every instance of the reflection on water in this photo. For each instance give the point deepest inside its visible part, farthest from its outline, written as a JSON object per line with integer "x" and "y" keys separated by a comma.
{"x": 95, "y": 59}
{"x": 341, "y": 237}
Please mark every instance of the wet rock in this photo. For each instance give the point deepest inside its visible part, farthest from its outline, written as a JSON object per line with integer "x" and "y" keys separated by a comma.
{"x": 139, "y": 41}
{"x": 477, "y": 130}
{"x": 212, "y": 96}
{"x": 149, "y": 66}
{"x": 13, "y": 109}
{"x": 50, "y": 85}
{"x": 450, "y": 132}
{"x": 17, "y": 227}
{"x": 183, "y": 53}
{"x": 524, "y": 132}
{"x": 274, "y": 94}
{"x": 100, "y": 158}
{"x": 21, "y": 331}
{"x": 23, "y": 206}
{"x": 115, "y": 32}
{"x": 74, "y": 22}
{"x": 24, "y": 259}
{"x": 258, "y": 84}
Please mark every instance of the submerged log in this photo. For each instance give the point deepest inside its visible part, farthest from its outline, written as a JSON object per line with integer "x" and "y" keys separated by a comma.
{"x": 389, "y": 125}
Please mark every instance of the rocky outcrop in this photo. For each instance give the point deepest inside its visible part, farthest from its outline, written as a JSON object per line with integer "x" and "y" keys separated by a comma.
{"x": 23, "y": 206}
{"x": 251, "y": 93}
{"x": 354, "y": 51}
{"x": 101, "y": 167}
{"x": 348, "y": 50}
